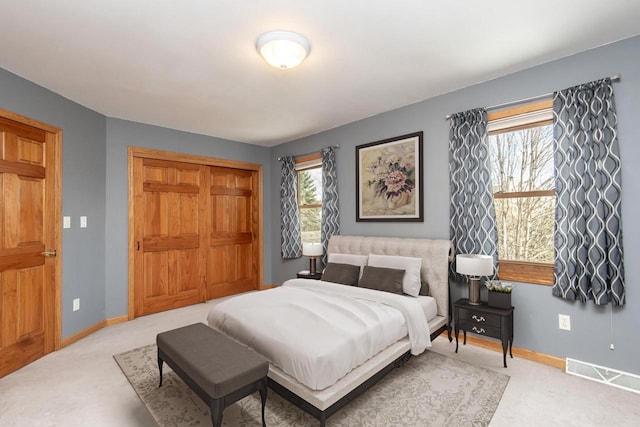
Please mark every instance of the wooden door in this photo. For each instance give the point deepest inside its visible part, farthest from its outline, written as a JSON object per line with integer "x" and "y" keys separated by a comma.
{"x": 195, "y": 229}
{"x": 29, "y": 195}
{"x": 170, "y": 250}
{"x": 232, "y": 260}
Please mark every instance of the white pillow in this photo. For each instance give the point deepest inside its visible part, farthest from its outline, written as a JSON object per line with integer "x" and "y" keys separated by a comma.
{"x": 359, "y": 260}
{"x": 411, "y": 267}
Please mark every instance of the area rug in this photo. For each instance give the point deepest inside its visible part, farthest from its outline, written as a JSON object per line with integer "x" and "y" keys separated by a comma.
{"x": 430, "y": 390}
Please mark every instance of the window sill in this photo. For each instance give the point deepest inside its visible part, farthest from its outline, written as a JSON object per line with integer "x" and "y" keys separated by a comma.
{"x": 527, "y": 272}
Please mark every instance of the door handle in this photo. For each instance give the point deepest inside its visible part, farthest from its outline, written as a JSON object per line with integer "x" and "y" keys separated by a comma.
{"x": 49, "y": 253}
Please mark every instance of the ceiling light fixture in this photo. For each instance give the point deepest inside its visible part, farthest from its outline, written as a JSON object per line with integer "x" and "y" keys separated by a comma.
{"x": 283, "y": 49}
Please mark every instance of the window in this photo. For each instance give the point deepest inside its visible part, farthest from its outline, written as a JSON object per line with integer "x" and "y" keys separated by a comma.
{"x": 310, "y": 197}
{"x": 521, "y": 156}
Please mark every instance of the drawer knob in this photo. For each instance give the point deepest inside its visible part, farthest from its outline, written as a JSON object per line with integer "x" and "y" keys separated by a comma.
{"x": 478, "y": 319}
{"x": 479, "y": 331}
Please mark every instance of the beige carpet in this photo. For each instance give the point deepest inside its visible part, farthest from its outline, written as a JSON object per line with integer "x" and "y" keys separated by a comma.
{"x": 430, "y": 390}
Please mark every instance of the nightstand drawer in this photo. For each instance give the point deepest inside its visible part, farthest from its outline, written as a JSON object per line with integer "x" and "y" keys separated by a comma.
{"x": 490, "y": 331}
{"x": 481, "y": 319}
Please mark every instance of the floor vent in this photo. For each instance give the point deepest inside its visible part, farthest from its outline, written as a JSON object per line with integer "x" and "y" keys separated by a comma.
{"x": 623, "y": 380}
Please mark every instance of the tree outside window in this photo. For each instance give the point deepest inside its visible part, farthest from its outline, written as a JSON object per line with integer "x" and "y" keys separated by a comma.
{"x": 310, "y": 203}
{"x": 521, "y": 156}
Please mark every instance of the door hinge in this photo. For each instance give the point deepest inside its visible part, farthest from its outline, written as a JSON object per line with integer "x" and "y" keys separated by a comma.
{"x": 49, "y": 252}
{"x": 138, "y": 242}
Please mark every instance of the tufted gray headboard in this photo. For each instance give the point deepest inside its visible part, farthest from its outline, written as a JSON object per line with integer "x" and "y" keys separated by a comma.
{"x": 436, "y": 256}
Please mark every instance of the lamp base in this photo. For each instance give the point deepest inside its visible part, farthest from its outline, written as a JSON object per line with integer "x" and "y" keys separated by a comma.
{"x": 312, "y": 265}
{"x": 474, "y": 290}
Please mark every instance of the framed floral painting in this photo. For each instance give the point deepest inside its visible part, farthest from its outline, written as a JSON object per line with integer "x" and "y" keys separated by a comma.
{"x": 389, "y": 179}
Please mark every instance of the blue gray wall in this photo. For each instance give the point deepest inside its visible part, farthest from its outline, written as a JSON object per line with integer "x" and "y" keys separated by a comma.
{"x": 536, "y": 313}
{"x": 83, "y": 183}
{"x": 95, "y": 176}
{"x": 94, "y": 259}
{"x": 120, "y": 135}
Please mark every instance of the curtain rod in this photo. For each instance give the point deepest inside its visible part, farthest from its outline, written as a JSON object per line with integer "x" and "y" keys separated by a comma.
{"x": 615, "y": 78}
{"x": 313, "y": 152}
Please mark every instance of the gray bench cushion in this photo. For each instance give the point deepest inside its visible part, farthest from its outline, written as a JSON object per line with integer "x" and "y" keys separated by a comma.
{"x": 214, "y": 361}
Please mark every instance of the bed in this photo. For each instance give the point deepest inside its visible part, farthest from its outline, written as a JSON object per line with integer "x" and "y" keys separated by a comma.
{"x": 344, "y": 338}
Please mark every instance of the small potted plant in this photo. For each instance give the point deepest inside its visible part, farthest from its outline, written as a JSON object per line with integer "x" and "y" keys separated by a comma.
{"x": 499, "y": 293}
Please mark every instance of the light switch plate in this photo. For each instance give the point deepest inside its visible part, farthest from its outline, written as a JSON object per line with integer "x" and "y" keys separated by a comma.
{"x": 66, "y": 222}
{"x": 83, "y": 222}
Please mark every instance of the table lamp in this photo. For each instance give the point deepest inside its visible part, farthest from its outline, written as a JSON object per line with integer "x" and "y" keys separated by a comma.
{"x": 474, "y": 266}
{"x": 313, "y": 251}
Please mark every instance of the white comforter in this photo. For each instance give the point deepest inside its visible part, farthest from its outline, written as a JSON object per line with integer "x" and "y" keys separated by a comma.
{"x": 319, "y": 331}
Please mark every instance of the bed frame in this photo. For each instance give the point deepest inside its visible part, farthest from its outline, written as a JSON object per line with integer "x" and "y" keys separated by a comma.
{"x": 435, "y": 255}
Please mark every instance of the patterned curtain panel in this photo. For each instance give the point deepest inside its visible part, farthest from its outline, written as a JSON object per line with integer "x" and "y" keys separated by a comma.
{"x": 588, "y": 235}
{"x": 290, "y": 236}
{"x": 473, "y": 219}
{"x": 330, "y": 209}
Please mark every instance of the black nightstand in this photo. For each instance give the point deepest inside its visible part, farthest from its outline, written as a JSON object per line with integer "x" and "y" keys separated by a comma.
{"x": 484, "y": 320}
{"x": 305, "y": 274}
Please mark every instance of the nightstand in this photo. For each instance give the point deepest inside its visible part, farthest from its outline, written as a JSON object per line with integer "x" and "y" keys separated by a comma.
{"x": 305, "y": 274}
{"x": 484, "y": 320}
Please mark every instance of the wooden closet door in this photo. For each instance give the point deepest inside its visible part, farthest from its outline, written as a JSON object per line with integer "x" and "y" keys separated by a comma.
{"x": 170, "y": 230}
{"x": 27, "y": 229}
{"x": 232, "y": 260}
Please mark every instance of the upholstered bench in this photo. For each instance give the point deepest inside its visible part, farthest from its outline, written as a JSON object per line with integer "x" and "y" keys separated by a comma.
{"x": 217, "y": 369}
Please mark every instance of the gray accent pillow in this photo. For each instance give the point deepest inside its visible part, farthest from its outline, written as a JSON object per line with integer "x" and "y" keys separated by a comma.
{"x": 382, "y": 279}
{"x": 345, "y": 274}
{"x": 359, "y": 260}
{"x": 424, "y": 288}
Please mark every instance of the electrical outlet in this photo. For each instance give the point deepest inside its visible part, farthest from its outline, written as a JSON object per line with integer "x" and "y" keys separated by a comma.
{"x": 76, "y": 304}
{"x": 564, "y": 322}
{"x": 83, "y": 222}
{"x": 66, "y": 222}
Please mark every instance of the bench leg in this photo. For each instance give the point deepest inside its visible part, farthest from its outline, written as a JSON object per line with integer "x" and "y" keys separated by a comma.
{"x": 160, "y": 362}
{"x": 217, "y": 408}
{"x": 263, "y": 398}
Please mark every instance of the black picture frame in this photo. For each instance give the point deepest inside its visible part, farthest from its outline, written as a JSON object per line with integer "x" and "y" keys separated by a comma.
{"x": 389, "y": 180}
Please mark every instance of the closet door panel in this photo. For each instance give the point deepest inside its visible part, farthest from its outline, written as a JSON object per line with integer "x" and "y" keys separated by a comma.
{"x": 169, "y": 236}
{"x": 232, "y": 258}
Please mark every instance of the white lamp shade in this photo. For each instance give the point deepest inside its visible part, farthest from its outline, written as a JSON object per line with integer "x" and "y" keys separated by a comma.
{"x": 312, "y": 249}
{"x": 474, "y": 265}
{"x": 283, "y": 49}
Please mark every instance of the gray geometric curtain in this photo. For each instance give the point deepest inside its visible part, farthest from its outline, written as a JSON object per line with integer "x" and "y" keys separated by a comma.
{"x": 472, "y": 214}
{"x": 330, "y": 208}
{"x": 588, "y": 231}
{"x": 290, "y": 236}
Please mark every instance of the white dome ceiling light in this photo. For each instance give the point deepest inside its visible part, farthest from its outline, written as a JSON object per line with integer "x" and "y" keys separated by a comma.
{"x": 283, "y": 49}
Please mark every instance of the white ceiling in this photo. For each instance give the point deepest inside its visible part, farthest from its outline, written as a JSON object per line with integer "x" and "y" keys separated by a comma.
{"x": 192, "y": 65}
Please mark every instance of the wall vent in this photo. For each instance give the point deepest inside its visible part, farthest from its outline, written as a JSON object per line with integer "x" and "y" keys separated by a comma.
{"x": 623, "y": 380}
